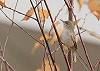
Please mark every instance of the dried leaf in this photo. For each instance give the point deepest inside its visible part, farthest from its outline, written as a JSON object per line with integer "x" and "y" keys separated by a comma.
{"x": 95, "y": 35}
{"x": 2, "y": 3}
{"x": 47, "y": 66}
{"x": 80, "y": 2}
{"x": 28, "y": 14}
{"x": 76, "y": 22}
{"x": 94, "y": 6}
{"x": 92, "y": 33}
{"x": 97, "y": 14}
{"x": 47, "y": 37}
{"x": 54, "y": 38}
{"x": 56, "y": 24}
{"x": 36, "y": 45}
{"x": 43, "y": 14}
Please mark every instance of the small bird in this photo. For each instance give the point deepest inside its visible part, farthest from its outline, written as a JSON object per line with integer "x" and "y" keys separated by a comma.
{"x": 68, "y": 37}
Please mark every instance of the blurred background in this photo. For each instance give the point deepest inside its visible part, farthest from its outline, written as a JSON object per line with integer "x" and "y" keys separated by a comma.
{"x": 19, "y": 46}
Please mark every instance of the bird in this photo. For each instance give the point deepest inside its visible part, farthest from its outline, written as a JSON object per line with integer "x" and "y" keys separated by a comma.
{"x": 68, "y": 37}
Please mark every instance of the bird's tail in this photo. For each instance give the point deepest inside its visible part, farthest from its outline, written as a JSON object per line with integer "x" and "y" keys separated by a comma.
{"x": 74, "y": 57}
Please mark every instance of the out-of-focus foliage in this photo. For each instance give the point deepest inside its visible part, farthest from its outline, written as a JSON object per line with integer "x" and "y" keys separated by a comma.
{"x": 47, "y": 66}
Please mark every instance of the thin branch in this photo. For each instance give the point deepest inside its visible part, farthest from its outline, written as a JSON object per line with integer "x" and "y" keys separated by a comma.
{"x": 56, "y": 18}
{"x": 83, "y": 61}
{"x": 38, "y": 4}
{"x": 9, "y": 30}
{"x": 44, "y": 61}
{"x": 22, "y": 29}
{"x": 57, "y": 35}
{"x": 83, "y": 64}
{"x": 85, "y": 51}
{"x": 47, "y": 45}
{"x": 6, "y": 63}
{"x": 96, "y": 64}
{"x": 20, "y": 13}
{"x": 8, "y": 35}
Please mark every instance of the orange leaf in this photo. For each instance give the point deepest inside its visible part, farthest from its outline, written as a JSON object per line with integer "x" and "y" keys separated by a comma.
{"x": 76, "y": 22}
{"x": 94, "y": 5}
{"x": 54, "y": 38}
{"x": 28, "y": 14}
{"x": 80, "y": 3}
{"x": 47, "y": 66}
{"x": 36, "y": 45}
{"x": 57, "y": 23}
{"x": 47, "y": 37}
{"x": 2, "y": 3}
{"x": 92, "y": 33}
{"x": 97, "y": 14}
{"x": 43, "y": 14}
{"x": 95, "y": 35}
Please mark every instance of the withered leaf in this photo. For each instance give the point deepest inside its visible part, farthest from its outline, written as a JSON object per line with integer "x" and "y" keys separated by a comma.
{"x": 80, "y": 2}
{"x": 47, "y": 37}
{"x": 54, "y": 38}
{"x": 28, "y": 14}
{"x": 47, "y": 66}
{"x": 97, "y": 14}
{"x": 36, "y": 45}
{"x": 56, "y": 24}
{"x": 43, "y": 14}
{"x": 2, "y": 3}
{"x": 94, "y": 6}
{"x": 76, "y": 22}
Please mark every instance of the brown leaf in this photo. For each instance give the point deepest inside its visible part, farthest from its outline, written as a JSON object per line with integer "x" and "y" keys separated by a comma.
{"x": 94, "y": 5}
{"x": 36, "y": 45}
{"x": 28, "y": 14}
{"x": 92, "y": 33}
{"x": 76, "y": 22}
{"x": 56, "y": 24}
{"x": 43, "y": 14}
{"x": 97, "y": 14}
{"x": 80, "y": 2}
{"x": 54, "y": 38}
{"x": 2, "y": 3}
{"x": 95, "y": 35}
{"x": 47, "y": 66}
{"x": 47, "y": 37}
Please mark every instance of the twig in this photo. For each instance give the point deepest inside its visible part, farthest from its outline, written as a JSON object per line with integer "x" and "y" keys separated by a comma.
{"x": 83, "y": 64}
{"x": 56, "y": 18}
{"x": 70, "y": 9}
{"x": 57, "y": 35}
{"x": 85, "y": 51}
{"x": 44, "y": 61}
{"x": 6, "y": 63}
{"x": 20, "y": 13}
{"x": 22, "y": 29}
{"x": 9, "y": 30}
{"x": 83, "y": 61}
{"x": 8, "y": 37}
{"x": 47, "y": 45}
{"x": 96, "y": 64}
{"x": 38, "y": 4}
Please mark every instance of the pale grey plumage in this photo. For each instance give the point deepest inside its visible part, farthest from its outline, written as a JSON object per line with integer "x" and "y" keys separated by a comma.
{"x": 68, "y": 37}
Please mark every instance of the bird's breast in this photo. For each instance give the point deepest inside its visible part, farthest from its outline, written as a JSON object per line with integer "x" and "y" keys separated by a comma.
{"x": 67, "y": 36}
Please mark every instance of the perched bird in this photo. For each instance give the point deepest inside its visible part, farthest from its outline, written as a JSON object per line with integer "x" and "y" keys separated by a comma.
{"x": 68, "y": 37}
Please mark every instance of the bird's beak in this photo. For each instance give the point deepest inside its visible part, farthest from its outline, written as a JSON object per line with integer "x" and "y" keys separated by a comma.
{"x": 62, "y": 20}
